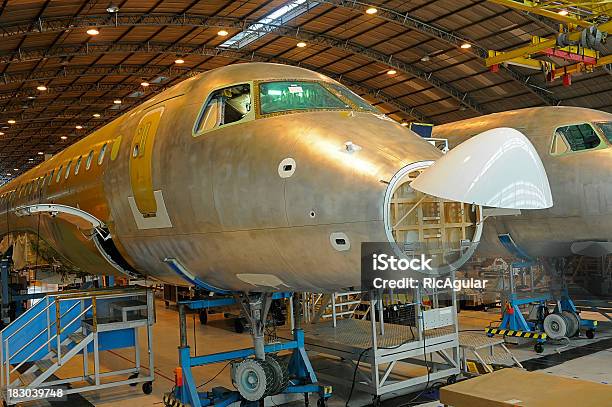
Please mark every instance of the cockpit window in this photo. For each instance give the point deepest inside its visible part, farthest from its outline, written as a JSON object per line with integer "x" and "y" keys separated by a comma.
{"x": 575, "y": 137}
{"x": 286, "y": 96}
{"x": 346, "y": 93}
{"x": 225, "y": 106}
{"x": 606, "y": 129}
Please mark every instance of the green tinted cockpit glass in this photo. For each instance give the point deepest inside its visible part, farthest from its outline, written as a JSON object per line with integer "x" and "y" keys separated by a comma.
{"x": 579, "y": 137}
{"x": 606, "y": 129}
{"x": 286, "y": 96}
{"x": 346, "y": 93}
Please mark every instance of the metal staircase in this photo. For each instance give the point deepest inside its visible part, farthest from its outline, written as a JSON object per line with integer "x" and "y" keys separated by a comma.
{"x": 62, "y": 326}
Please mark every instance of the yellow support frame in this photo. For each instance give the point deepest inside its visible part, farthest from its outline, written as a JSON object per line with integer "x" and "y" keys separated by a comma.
{"x": 543, "y": 44}
{"x": 551, "y": 9}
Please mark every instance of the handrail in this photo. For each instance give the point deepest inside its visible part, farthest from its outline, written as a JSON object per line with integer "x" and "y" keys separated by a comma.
{"x": 8, "y": 361}
{"x": 46, "y": 328}
{"x": 24, "y": 325}
{"x": 48, "y": 341}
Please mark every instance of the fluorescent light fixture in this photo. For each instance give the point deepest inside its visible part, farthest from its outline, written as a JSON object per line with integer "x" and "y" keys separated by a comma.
{"x": 179, "y": 61}
{"x": 391, "y": 72}
{"x": 96, "y": 115}
{"x": 144, "y": 84}
{"x": 300, "y": 44}
{"x": 563, "y": 12}
{"x": 222, "y": 33}
{"x": 40, "y": 153}
{"x": 64, "y": 137}
{"x": 15, "y": 169}
{"x": 466, "y": 45}
{"x": 78, "y": 127}
{"x": 41, "y": 87}
{"x": 117, "y": 101}
{"x": 1, "y": 133}
{"x": 11, "y": 121}
{"x": 93, "y": 31}
{"x": 371, "y": 10}
{"x": 270, "y": 23}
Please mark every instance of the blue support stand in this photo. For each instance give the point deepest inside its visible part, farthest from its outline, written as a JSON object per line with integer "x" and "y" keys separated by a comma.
{"x": 303, "y": 379}
{"x": 513, "y": 322}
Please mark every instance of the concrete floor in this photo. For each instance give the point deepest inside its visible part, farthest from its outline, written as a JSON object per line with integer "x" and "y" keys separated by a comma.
{"x": 594, "y": 363}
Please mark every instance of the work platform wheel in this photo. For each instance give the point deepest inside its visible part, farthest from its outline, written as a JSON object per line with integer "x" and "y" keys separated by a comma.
{"x": 376, "y": 402}
{"x": 590, "y": 333}
{"x": 538, "y": 347}
{"x": 322, "y": 402}
{"x": 451, "y": 379}
{"x": 203, "y": 317}
{"x": 147, "y": 387}
{"x": 239, "y": 325}
{"x": 133, "y": 376}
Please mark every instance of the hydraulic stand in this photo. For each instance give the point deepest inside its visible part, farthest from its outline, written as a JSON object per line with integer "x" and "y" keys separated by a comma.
{"x": 257, "y": 372}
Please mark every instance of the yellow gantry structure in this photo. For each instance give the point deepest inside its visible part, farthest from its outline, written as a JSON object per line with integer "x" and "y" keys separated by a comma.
{"x": 575, "y": 16}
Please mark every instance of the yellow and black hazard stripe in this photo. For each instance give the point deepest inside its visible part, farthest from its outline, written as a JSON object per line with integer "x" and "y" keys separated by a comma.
{"x": 519, "y": 334}
{"x": 171, "y": 401}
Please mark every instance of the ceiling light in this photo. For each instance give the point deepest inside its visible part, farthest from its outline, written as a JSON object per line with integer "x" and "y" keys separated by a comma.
{"x": 8, "y": 173}
{"x": 179, "y": 61}
{"x": 11, "y": 121}
{"x": 117, "y": 101}
{"x": 15, "y": 169}
{"x": 466, "y": 45}
{"x": 1, "y": 133}
{"x": 145, "y": 84}
{"x": 563, "y": 12}
{"x": 391, "y": 72}
{"x": 64, "y": 137}
{"x": 112, "y": 8}
{"x": 93, "y": 31}
{"x": 78, "y": 127}
{"x": 31, "y": 97}
{"x": 372, "y": 10}
{"x": 222, "y": 33}
{"x": 96, "y": 115}
{"x": 300, "y": 44}
{"x": 30, "y": 159}
{"x": 404, "y": 124}
{"x": 425, "y": 58}
{"x": 41, "y": 87}
{"x": 40, "y": 153}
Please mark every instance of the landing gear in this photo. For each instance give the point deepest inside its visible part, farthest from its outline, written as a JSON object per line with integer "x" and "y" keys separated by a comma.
{"x": 538, "y": 347}
{"x": 556, "y": 326}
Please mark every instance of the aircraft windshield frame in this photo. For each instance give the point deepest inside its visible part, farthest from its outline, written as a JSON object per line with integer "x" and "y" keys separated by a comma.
{"x": 277, "y": 97}
{"x": 605, "y": 128}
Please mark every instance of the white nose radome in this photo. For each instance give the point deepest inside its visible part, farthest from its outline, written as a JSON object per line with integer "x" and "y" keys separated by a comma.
{"x": 498, "y": 168}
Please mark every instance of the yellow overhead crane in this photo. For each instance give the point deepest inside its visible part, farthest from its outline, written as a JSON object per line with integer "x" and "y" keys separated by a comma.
{"x": 584, "y": 27}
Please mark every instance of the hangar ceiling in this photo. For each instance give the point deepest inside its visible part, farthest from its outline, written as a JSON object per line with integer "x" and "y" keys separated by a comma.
{"x": 60, "y": 80}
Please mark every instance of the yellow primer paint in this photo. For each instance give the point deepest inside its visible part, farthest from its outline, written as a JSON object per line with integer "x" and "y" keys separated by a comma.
{"x": 141, "y": 165}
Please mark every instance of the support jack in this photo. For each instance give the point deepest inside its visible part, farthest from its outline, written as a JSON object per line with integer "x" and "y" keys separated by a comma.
{"x": 257, "y": 372}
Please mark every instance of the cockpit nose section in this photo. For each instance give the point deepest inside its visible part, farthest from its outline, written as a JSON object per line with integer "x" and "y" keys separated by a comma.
{"x": 498, "y": 168}
{"x": 435, "y": 208}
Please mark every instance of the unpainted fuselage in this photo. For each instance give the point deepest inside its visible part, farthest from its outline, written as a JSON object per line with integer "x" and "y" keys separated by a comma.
{"x": 221, "y": 206}
{"x": 580, "y": 182}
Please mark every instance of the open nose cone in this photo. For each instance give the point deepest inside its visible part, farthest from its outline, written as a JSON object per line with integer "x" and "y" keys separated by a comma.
{"x": 498, "y": 168}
